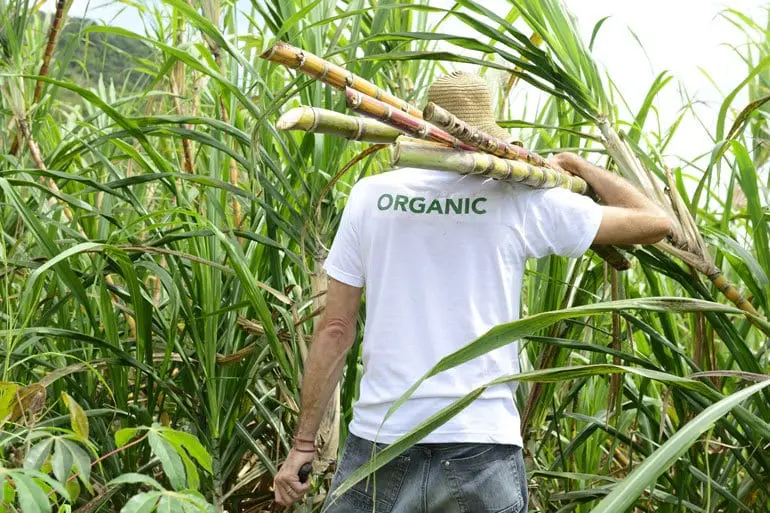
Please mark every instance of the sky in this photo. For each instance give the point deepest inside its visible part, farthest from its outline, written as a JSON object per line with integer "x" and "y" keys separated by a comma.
{"x": 689, "y": 38}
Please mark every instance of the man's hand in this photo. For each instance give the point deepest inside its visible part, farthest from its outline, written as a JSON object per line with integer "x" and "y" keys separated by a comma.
{"x": 566, "y": 162}
{"x": 288, "y": 489}
{"x": 332, "y": 339}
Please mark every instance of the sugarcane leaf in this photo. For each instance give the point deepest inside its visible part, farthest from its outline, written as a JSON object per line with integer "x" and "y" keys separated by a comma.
{"x": 743, "y": 117}
{"x": 595, "y": 31}
{"x": 169, "y": 459}
{"x": 38, "y": 454}
{"x": 185, "y": 57}
{"x": 539, "y": 376}
{"x": 78, "y": 417}
{"x": 625, "y": 494}
{"x": 635, "y": 134}
{"x": 248, "y": 280}
{"x": 504, "y": 334}
{"x": 749, "y": 180}
{"x": 51, "y": 249}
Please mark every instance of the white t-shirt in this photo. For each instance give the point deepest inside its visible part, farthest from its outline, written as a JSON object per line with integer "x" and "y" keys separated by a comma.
{"x": 442, "y": 257}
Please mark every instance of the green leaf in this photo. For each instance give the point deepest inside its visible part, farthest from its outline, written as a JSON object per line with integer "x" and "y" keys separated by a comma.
{"x": 134, "y": 478}
{"x": 32, "y": 498}
{"x": 78, "y": 418}
{"x": 168, "y": 504}
{"x": 82, "y": 461}
{"x": 504, "y": 334}
{"x": 538, "y": 376}
{"x": 625, "y": 494}
{"x": 61, "y": 461}
{"x": 73, "y": 488}
{"x": 37, "y": 454}
{"x": 9, "y": 492}
{"x": 7, "y": 399}
{"x": 123, "y": 436}
{"x": 191, "y": 444}
{"x": 142, "y": 503}
{"x": 169, "y": 459}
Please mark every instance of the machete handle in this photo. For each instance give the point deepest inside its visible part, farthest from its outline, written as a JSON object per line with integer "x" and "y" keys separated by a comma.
{"x": 304, "y": 472}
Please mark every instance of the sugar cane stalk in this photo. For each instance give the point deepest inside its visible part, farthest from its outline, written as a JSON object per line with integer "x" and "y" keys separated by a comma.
{"x": 331, "y": 74}
{"x": 416, "y": 127}
{"x": 685, "y": 242}
{"x": 445, "y": 120}
{"x": 313, "y": 119}
{"x": 413, "y": 154}
{"x": 56, "y": 24}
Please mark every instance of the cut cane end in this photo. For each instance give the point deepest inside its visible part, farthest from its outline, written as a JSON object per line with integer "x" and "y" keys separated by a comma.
{"x": 395, "y": 155}
{"x": 428, "y": 111}
{"x": 290, "y": 119}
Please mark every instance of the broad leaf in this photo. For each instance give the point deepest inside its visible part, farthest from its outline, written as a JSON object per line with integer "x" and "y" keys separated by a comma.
{"x": 169, "y": 459}
{"x": 37, "y": 454}
{"x": 78, "y": 418}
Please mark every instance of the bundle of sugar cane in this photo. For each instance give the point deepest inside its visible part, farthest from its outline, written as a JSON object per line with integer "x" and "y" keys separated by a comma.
{"x": 323, "y": 121}
{"x": 340, "y": 78}
{"x": 422, "y": 129}
{"x": 477, "y": 138}
{"x": 408, "y": 153}
{"x": 331, "y": 74}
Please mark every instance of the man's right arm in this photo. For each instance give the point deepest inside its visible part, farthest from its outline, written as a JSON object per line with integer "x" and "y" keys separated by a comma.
{"x": 628, "y": 216}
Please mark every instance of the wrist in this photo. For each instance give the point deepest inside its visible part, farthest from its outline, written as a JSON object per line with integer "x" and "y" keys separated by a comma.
{"x": 304, "y": 442}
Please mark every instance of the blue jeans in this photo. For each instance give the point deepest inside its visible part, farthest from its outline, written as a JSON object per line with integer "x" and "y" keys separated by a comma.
{"x": 432, "y": 478}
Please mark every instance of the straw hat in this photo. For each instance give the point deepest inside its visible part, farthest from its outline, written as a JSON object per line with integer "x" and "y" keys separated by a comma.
{"x": 467, "y": 96}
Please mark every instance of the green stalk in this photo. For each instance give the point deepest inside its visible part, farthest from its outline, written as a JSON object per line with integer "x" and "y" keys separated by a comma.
{"x": 473, "y": 136}
{"x": 323, "y": 121}
{"x": 427, "y": 156}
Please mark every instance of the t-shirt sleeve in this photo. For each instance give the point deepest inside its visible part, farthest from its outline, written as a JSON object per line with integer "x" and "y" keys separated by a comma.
{"x": 559, "y": 222}
{"x": 344, "y": 262}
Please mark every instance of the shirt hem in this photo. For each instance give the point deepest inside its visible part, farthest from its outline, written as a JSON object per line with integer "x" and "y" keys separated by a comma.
{"x": 503, "y": 438}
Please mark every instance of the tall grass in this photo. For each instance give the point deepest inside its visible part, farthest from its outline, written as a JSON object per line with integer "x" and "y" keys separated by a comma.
{"x": 160, "y": 265}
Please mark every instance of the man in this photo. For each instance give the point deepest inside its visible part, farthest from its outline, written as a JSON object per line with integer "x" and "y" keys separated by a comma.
{"x": 442, "y": 257}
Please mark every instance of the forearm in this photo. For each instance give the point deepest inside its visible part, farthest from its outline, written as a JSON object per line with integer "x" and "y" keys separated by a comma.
{"x": 323, "y": 371}
{"x": 614, "y": 190}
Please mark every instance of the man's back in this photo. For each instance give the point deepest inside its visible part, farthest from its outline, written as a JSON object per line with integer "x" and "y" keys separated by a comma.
{"x": 442, "y": 258}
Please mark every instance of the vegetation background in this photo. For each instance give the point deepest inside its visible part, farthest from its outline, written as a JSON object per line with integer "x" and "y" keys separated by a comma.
{"x": 161, "y": 250}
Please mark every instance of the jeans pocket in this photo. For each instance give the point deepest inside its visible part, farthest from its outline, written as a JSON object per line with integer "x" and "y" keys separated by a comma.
{"x": 378, "y": 491}
{"x": 485, "y": 478}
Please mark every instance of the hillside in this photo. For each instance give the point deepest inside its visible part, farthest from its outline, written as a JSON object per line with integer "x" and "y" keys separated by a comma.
{"x": 91, "y": 55}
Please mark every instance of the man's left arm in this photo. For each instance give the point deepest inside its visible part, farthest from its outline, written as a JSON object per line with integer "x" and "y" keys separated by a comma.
{"x": 331, "y": 342}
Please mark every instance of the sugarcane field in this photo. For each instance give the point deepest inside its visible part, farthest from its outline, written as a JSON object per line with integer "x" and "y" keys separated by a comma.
{"x": 388, "y": 256}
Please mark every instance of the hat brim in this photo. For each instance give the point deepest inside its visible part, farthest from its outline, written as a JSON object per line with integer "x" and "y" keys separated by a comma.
{"x": 497, "y": 131}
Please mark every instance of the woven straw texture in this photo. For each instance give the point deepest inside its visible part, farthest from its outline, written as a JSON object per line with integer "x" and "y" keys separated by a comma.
{"x": 467, "y": 96}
